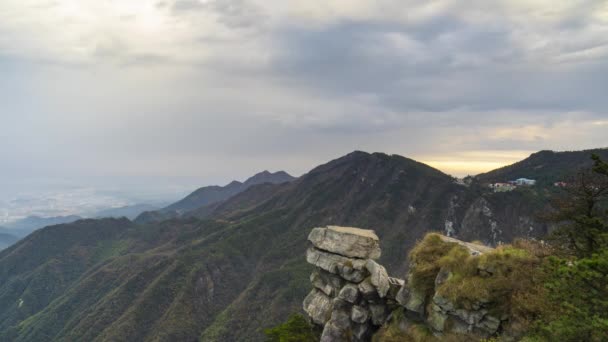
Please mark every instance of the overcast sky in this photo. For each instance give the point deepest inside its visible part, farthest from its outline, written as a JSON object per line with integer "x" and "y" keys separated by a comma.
{"x": 140, "y": 92}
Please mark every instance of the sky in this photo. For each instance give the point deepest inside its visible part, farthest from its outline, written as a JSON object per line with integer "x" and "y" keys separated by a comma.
{"x": 157, "y": 96}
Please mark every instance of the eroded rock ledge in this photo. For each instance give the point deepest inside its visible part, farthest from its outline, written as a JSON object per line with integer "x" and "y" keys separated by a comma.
{"x": 353, "y": 295}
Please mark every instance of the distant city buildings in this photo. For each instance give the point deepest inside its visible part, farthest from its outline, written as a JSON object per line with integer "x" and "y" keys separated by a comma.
{"x": 524, "y": 181}
{"x": 502, "y": 187}
{"x": 512, "y": 185}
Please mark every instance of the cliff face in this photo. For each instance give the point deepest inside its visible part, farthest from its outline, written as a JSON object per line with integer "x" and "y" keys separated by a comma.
{"x": 354, "y": 299}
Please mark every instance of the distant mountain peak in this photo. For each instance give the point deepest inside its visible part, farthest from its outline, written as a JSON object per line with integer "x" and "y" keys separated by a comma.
{"x": 269, "y": 177}
{"x": 209, "y": 195}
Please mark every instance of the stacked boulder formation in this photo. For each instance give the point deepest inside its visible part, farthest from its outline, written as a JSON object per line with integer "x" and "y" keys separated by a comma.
{"x": 353, "y": 294}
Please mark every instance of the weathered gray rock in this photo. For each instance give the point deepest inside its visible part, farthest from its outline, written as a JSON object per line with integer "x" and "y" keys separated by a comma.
{"x": 327, "y": 282}
{"x": 332, "y": 333}
{"x": 442, "y": 277}
{"x": 490, "y": 324}
{"x": 367, "y": 289}
{"x": 361, "y": 332}
{"x": 378, "y": 277}
{"x": 443, "y": 303}
{"x": 412, "y": 299}
{"x": 352, "y": 270}
{"x": 340, "y": 318}
{"x": 395, "y": 286}
{"x": 360, "y": 314}
{"x": 437, "y": 319}
{"x": 346, "y": 241}
{"x": 318, "y": 306}
{"x": 349, "y": 293}
{"x": 379, "y": 313}
{"x": 458, "y": 326}
{"x": 474, "y": 249}
{"x": 471, "y": 317}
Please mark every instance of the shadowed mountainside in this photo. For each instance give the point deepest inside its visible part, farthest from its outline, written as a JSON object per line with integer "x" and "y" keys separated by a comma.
{"x": 546, "y": 167}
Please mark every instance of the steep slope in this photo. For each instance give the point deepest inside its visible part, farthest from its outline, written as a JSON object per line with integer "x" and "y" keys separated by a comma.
{"x": 545, "y": 166}
{"x": 211, "y": 195}
{"x": 242, "y": 268}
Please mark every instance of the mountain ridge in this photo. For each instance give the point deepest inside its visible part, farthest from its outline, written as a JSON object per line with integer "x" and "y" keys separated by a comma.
{"x": 210, "y": 195}
{"x": 240, "y": 265}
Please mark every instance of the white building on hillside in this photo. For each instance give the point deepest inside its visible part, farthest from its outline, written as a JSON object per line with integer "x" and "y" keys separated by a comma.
{"x": 525, "y": 181}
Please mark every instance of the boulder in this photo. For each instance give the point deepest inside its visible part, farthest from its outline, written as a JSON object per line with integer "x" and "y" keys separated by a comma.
{"x": 396, "y": 285}
{"x": 362, "y": 332}
{"x": 359, "y": 314}
{"x": 352, "y": 270}
{"x": 318, "y": 306}
{"x": 489, "y": 324}
{"x": 347, "y": 241}
{"x": 367, "y": 289}
{"x": 327, "y": 282}
{"x": 437, "y": 319}
{"x": 349, "y": 293}
{"x": 443, "y": 303}
{"x": 341, "y": 318}
{"x": 472, "y": 317}
{"x": 379, "y": 277}
{"x": 379, "y": 313}
{"x": 412, "y": 299}
{"x": 332, "y": 333}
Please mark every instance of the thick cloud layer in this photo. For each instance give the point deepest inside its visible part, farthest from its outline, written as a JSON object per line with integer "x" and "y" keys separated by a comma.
{"x": 215, "y": 90}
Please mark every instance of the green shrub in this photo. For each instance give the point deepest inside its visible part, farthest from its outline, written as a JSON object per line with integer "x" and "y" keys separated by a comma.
{"x": 424, "y": 259}
{"x": 296, "y": 329}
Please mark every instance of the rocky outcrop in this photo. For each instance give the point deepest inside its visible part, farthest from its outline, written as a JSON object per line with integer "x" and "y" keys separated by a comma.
{"x": 347, "y": 241}
{"x": 353, "y": 294}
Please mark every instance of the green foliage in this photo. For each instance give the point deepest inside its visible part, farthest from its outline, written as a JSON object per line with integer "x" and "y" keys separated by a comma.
{"x": 401, "y": 329}
{"x": 296, "y": 329}
{"x": 508, "y": 280}
{"x": 581, "y": 213}
{"x": 577, "y": 285}
{"x": 579, "y": 290}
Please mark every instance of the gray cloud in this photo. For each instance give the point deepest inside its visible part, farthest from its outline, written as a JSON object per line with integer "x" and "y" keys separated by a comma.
{"x": 215, "y": 90}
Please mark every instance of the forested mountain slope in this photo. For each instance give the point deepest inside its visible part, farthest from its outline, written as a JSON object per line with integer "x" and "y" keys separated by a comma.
{"x": 228, "y": 270}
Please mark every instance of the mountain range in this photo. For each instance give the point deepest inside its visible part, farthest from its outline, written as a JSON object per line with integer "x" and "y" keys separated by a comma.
{"x": 223, "y": 267}
{"x": 210, "y": 195}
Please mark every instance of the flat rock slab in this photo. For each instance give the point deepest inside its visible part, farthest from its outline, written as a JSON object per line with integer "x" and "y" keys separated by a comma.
{"x": 352, "y": 270}
{"x": 347, "y": 241}
{"x": 474, "y": 249}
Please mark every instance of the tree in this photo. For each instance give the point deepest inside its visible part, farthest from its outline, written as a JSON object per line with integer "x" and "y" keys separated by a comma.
{"x": 578, "y": 284}
{"x": 580, "y": 213}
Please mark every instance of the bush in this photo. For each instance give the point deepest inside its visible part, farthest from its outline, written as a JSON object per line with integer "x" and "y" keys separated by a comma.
{"x": 424, "y": 259}
{"x": 296, "y": 329}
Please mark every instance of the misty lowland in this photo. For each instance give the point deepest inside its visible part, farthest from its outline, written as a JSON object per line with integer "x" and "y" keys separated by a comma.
{"x": 303, "y": 171}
